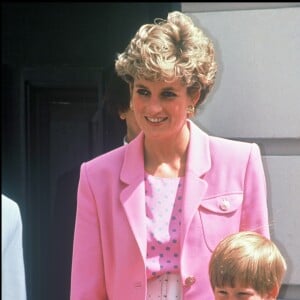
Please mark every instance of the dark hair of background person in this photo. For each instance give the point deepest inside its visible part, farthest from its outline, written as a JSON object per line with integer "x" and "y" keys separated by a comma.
{"x": 116, "y": 93}
{"x": 116, "y": 99}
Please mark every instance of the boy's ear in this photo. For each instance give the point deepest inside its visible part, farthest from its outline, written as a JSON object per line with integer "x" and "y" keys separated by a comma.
{"x": 272, "y": 295}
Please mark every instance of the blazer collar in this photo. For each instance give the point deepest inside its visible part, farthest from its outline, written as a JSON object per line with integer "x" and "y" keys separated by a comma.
{"x": 198, "y": 159}
{"x": 133, "y": 164}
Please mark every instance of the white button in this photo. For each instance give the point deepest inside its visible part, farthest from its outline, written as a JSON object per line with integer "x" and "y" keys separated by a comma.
{"x": 225, "y": 204}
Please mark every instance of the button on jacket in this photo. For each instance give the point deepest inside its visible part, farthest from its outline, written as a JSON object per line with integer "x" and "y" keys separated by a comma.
{"x": 224, "y": 192}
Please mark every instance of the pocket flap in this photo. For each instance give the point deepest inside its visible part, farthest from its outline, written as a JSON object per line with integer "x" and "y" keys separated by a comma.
{"x": 223, "y": 204}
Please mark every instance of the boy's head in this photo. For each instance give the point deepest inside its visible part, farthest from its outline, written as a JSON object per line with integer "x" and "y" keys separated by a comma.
{"x": 246, "y": 264}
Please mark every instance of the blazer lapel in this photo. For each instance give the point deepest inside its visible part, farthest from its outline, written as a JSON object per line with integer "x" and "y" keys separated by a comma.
{"x": 132, "y": 196}
{"x": 195, "y": 186}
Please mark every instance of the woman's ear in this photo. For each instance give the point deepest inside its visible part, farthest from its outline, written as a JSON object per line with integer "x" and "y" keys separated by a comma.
{"x": 196, "y": 97}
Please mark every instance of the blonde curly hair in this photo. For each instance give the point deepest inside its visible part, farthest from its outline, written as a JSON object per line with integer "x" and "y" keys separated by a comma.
{"x": 167, "y": 50}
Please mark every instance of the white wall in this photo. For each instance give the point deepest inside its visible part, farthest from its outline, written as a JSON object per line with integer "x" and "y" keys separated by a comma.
{"x": 257, "y": 98}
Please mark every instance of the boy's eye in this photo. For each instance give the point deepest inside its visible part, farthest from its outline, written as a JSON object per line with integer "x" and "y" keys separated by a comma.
{"x": 143, "y": 92}
{"x": 244, "y": 294}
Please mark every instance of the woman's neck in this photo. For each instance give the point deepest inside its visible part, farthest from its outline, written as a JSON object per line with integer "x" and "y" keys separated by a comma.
{"x": 167, "y": 158}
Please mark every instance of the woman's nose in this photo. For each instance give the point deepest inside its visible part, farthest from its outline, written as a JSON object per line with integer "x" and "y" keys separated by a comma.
{"x": 154, "y": 105}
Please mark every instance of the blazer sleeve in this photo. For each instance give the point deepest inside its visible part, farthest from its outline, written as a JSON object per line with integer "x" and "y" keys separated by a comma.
{"x": 255, "y": 209}
{"x": 87, "y": 275}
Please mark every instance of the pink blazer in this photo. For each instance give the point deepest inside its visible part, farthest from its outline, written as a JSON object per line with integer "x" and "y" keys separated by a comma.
{"x": 224, "y": 192}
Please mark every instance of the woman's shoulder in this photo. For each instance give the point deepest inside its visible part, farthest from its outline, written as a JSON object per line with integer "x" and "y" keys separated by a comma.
{"x": 221, "y": 148}
{"x": 110, "y": 158}
{"x": 232, "y": 147}
{"x": 229, "y": 142}
{"x": 104, "y": 166}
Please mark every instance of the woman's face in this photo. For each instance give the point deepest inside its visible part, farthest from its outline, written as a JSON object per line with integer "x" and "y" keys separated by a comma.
{"x": 160, "y": 107}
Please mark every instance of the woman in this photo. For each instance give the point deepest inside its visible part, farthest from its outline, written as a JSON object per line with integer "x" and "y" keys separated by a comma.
{"x": 151, "y": 212}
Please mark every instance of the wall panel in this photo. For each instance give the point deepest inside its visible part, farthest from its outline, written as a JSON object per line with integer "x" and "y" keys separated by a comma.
{"x": 256, "y": 99}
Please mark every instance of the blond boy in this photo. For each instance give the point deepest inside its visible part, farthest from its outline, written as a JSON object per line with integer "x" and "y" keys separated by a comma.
{"x": 246, "y": 265}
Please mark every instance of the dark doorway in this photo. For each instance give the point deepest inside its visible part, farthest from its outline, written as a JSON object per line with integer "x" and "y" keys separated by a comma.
{"x": 64, "y": 129}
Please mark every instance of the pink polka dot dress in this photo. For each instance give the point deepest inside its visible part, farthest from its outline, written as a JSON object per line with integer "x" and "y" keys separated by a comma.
{"x": 163, "y": 212}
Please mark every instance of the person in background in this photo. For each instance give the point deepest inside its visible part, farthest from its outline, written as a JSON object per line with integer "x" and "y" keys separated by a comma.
{"x": 150, "y": 213}
{"x": 246, "y": 265}
{"x": 116, "y": 103}
{"x": 13, "y": 270}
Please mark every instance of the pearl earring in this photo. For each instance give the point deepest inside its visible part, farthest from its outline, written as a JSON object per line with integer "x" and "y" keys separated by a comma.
{"x": 123, "y": 116}
{"x": 190, "y": 109}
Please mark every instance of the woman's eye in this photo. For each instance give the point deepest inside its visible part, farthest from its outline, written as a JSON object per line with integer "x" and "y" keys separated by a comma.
{"x": 143, "y": 92}
{"x": 168, "y": 94}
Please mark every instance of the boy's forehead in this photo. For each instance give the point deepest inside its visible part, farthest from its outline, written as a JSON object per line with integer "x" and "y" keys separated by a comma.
{"x": 239, "y": 290}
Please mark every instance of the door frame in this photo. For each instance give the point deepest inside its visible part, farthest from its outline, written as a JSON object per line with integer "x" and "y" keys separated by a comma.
{"x": 47, "y": 77}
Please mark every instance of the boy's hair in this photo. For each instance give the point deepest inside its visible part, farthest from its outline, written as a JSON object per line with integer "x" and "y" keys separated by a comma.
{"x": 248, "y": 259}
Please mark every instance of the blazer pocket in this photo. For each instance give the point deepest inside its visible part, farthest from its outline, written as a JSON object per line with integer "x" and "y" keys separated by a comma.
{"x": 220, "y": 216}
